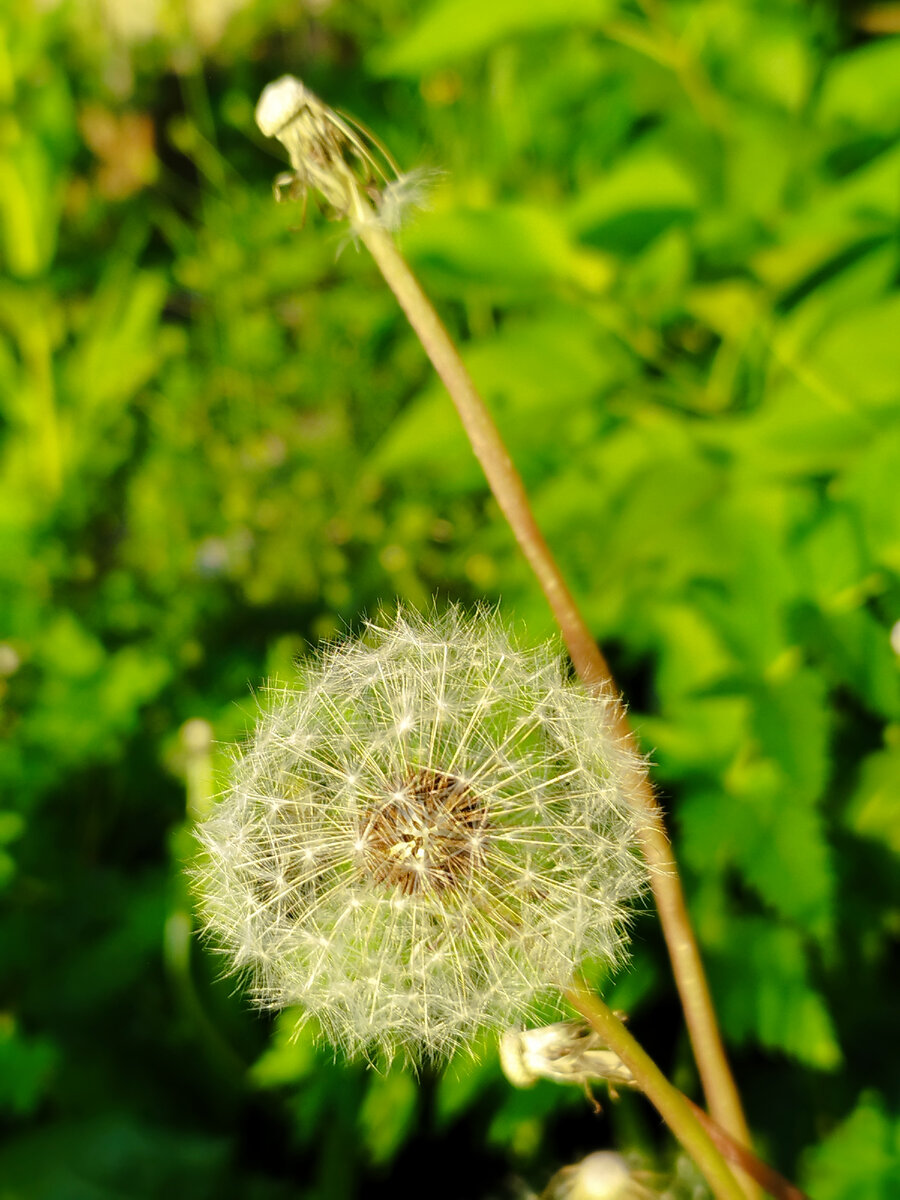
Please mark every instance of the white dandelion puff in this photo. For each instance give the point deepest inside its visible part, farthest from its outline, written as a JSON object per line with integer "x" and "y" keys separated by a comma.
{"x": 424, "y": 836}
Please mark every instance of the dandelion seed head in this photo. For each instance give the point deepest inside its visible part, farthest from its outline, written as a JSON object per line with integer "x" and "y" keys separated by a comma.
{"x": 424, "y": 837}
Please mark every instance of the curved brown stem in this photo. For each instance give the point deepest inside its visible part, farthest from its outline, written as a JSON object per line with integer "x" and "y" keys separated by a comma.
{"x": 509, "y": 491}
{"x": 767, "y": 1177}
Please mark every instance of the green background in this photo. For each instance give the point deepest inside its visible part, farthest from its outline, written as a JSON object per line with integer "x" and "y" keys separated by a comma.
{"x": 666, "y": 238}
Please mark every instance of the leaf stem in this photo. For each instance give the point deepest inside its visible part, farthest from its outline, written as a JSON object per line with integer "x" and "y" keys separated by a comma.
{"x": 509, "y": 491}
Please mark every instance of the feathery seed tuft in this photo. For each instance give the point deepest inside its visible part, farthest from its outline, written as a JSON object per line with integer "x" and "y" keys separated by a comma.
{"x": 424, "y": 835}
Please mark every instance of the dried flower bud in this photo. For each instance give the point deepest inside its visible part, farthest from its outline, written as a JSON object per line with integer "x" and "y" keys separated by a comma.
{"x": 566, "y": 1052}
{"x": 426, "y": 833}
{"x": 603, "y": 1175}
{"x": 336, "y": 157}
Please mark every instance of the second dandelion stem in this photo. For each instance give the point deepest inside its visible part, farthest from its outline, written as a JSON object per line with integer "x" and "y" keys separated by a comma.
{"x": 672, "y": 1106}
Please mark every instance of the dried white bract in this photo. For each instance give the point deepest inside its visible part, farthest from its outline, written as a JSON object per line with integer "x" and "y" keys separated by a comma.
{"x": 337, "y": 157}
{"x": 426, "y": 833}
{"x": 566, "y": 1052}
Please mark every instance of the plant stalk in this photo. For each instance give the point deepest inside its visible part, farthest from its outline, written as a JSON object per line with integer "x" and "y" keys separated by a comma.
{"x": 767, "y": 1177}
{"x": 506, "y": 484}
{"x": 673, "y": 1107}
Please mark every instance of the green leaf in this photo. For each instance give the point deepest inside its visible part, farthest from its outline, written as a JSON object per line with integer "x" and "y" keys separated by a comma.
{"x": 763, "y": 821}
{"x": 698, "y": 735}
{"x": 530, "y": 373}
{"x": 641, "y": 488}
{"x": 830, "y": 558}
{"x": 26, "y": 1065}
{"x": 12, "y": 825}
{"x": 860, "y": 1159}
{"x": 31, "y": 194}
{"x": 119, "y": 349}
{"x": 453, "y": 29}
{"x": 466, "y": 1077}
{"x": 805, "y": 427}
{"x": 861, "y": 353}
{"x": 656, "y": 280}
{"x": 7, "y": 869}
{"x": 874, "y": 811}
{"x": 791, "y": 723}
{"x": 856, "y": 651}
{"x": 778, "y": 844}
{"x": 114, "y": 1155}
{"x": 693, "y": 658}
{"x": 870, "y": 486}
{"x": 864, "y": 201}
{"x": 290, "y": 1055}
{"x": 388, "y": 1112}
{"x": 518, "y": 1122}
{"x": 763, "y": 994}
{"x": 776, "y": 64}
{"x": 507, "y": 249}
{"x": 646, "y": 192}
{"x": 862, "y": 88}
{"x": 786, "y": 857}
{"x": 855, "y": 274}
{"x": 729, "y": 307}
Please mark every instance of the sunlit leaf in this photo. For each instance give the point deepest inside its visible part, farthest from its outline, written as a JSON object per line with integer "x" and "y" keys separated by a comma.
{"x": 387, "y": 1112}
{"x": 874, "y": 811}
{"x": 452, "y": 29}
{"x": 762, "y": 987}
{"x": 860, "y": 1158}
{"x": 862, "y": 87}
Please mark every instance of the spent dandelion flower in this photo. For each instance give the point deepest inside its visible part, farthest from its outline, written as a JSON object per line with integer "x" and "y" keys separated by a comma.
{"x": 423, "y": 837}
{"x": 566, "y": 1052}
{"x": 337, "y": 157}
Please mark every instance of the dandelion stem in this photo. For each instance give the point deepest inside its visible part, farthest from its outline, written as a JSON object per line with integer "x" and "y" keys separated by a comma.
{"x": 509, "y": 491}
{"x": 673, "y": 1107}
{"x": 769, "y": 1179}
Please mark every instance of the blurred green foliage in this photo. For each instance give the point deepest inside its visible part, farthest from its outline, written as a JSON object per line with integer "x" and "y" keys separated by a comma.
{"x": 666, "y": 237}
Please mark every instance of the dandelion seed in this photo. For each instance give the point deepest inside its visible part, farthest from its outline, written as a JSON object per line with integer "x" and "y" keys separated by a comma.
{"x": 451, "y": 876}
{"x": 404, "y": 195}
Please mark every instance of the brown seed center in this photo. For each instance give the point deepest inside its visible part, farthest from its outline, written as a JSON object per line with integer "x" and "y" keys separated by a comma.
{"x": 428, "y": 835}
